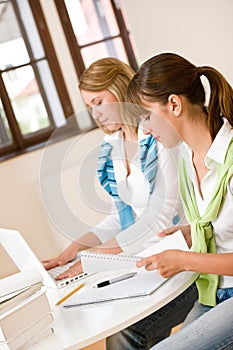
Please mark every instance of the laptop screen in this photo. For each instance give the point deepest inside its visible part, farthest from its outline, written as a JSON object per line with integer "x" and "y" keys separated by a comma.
{"x": 9, "y": 267}
{"x": 20, "y": 256}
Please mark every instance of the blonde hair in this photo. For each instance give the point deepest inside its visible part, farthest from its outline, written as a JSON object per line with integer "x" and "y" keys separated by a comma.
{"x": 114, "y": 76}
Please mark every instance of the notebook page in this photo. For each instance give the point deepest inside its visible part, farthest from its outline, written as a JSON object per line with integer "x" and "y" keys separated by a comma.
{"x": 173, "y": 241}
{"x": 142, "y": 284}
{"x": 97, "y": 262}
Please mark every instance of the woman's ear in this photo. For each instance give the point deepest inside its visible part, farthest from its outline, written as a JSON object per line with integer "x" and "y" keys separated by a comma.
{"x": 175, "y": 104}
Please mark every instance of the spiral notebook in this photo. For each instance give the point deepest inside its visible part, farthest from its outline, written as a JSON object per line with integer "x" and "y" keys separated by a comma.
{"x": 98, "y": 262}
{"x": 143, "y": 284}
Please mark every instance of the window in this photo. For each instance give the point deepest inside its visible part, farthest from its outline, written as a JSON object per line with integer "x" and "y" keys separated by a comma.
{"x": 33, "y": 96}
{"x": 95, "y": 29}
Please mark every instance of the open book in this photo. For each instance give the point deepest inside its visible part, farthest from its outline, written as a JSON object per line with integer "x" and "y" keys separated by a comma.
{"x": 143, "y": 283}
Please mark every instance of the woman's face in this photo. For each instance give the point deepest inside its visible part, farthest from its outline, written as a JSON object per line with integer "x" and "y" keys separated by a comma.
{"x": 158, "y": 123}
{"x": 105, "y": 108}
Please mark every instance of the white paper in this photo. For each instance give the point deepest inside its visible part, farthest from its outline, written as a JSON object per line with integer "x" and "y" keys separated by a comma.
{"x": 142, "y": 284}
{"x": 98, "y": 262}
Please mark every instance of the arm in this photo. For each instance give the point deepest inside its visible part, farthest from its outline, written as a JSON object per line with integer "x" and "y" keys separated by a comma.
{"x": 163, "y": 205}
{"x": 156, "y": 216}
{"x": 171, "y": 262}
{"x": 69, "y": 254}
{"x": 153, "y": 218}
{"x": 110, "y": 247}
{"x": 107, "y": 228}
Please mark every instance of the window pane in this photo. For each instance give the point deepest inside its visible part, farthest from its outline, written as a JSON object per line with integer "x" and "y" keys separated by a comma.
{"x": 12, "y": 47}
{"x": 31, "y": 29}
{"x": 5, "y": 134}
{"x": 51, "y": 93}
{"x": 92, "y": 20}
{"x": 26, "y": 100}
{"x": 108, "y": 48}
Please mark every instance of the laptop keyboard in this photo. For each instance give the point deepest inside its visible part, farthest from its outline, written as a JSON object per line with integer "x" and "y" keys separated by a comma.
{"x": 60, "y": 269}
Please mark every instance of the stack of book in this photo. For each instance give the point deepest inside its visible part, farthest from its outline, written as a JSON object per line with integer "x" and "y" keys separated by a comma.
{"x": 25, "y": 312}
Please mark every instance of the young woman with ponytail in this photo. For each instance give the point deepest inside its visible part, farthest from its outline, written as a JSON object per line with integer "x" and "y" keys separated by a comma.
{"x": 169, "y": 90}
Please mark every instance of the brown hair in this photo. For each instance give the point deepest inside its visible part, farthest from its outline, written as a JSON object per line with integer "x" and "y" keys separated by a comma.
{"x": 169, "y": 73}
{"x": 114, "y": 76}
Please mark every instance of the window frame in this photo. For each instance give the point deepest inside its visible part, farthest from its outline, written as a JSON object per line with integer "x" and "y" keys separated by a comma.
{"x": 21, "y": 143}
{"x": 75, "y": 48}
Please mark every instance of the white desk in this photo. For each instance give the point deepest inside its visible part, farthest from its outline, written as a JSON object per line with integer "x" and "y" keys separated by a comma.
{"x": 76, "y": 328}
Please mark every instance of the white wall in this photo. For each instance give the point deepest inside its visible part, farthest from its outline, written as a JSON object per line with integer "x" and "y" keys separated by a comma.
{"x": 25, "y": 190}
{"x": 200, "y": 30}
{"x": 21, "y": 208}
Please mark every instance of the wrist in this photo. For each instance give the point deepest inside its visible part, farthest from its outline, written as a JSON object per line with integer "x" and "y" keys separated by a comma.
{"x": 185, "y": 260}
{"x": 74, "y": 247}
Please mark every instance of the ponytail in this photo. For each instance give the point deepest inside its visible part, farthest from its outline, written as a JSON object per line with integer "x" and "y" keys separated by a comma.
{"x": 221, "y": 99}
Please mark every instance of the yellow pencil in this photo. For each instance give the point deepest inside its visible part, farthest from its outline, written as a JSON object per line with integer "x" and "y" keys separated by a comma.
{"x": 69, "y": 294}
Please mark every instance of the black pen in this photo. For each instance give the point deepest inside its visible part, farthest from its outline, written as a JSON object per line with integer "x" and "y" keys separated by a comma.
{"x": 114, "y": 280}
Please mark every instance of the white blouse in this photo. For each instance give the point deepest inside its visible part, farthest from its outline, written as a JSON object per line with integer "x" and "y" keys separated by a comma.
{"x": 223, "y": 225}
{"x": 133, "y": 189}
{"x": 152, "y": 213}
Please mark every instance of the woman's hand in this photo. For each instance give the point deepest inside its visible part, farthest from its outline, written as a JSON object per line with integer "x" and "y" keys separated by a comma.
{"x": 74, "y": 270}
{"x": 168, "y": 262}
{"x": 66, "y": 256}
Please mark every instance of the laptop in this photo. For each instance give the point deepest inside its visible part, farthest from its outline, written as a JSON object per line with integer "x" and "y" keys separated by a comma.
{"x": 18, "y": 256}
